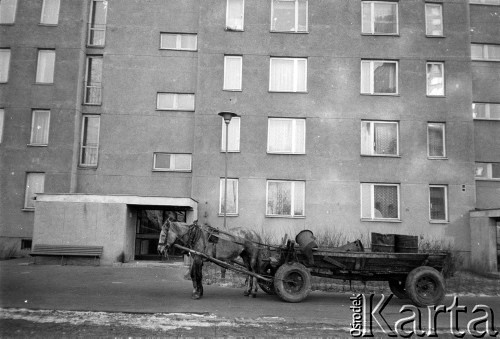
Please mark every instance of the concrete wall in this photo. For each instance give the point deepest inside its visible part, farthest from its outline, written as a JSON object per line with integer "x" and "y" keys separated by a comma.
{"x": 333, "y": 107}
{"x": 21, "y": 95}
{"x": 78, "y": 223}
{"x": 485, "y": 26}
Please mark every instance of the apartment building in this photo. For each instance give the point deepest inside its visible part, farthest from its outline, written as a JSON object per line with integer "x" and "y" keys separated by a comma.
{"x": 353, "y": 117}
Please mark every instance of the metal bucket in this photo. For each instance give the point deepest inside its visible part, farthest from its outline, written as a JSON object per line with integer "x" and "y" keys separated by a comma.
{"x": 383, "y": 242}
{"x": 306, "y": 238}
{"x": 406, "y": 243}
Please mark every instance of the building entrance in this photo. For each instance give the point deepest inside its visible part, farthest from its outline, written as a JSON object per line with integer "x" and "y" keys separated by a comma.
{"x": 148, "y": 228}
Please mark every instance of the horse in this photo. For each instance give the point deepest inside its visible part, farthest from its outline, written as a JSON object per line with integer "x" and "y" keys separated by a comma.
{"x": 205, "y": 240}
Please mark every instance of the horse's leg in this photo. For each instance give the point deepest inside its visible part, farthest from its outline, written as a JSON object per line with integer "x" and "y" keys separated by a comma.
{"x": 196, "y": 277}
{"x": 253, "y": 280}
{"x": 248, "y": 280}
{"x": 200, "y": 279}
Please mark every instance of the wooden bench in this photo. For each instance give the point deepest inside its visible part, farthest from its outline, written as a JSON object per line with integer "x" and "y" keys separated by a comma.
{"x": 66, "y": 251}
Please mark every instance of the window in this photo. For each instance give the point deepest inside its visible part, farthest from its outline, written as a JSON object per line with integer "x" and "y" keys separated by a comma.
{"x": 183, "y": 42}
{"x": 40, "y": 128}
{"x": 286, "y": 136}
{"x": 379, "y": 138}
{"x": 487, "y": 111}
{"x": 488, "y": 170}
{"x": 233, "y": 143}
{"x": 235, "y": 14}
{"x": 289, "y": 16}
{"x": 232, "y": 72}
{"x": 285, "y": 198}
{"x": 2, "y": 119}
{"x": 435, "y": 79}
{"x": 232, "y": 197}
{"x": 436, "y": 145}
{"x": 379, "y": 18}
{"x": 26, "y": 244}
{"x": 485, "y": 2}
{"x": 97, "y": 23}
{"x": 45, "y": 66}
{"x": 93, "y": 80}
{"x": 172, "y": 162}
{"x": 288, "y": 75}
{"x": 50, "y": 12}
{"x": 4, "y": 64}
{"x": 434, "y": 19}
{"x": 438, "y": 203}
{"x": 89, "y": 146}
{"x": 379, "y": 77}
{"x": 379, "y": 201}
{"x": 8, "y": 11}
{"x": 35, "y": 183}
{"x": 175, "y": 102}
{"x": 485, "y": 52}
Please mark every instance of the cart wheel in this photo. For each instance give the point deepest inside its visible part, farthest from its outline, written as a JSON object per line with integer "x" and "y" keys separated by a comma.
{"x": 267, "y": 286}
{"x": 398, "y": 288}
{"x": 292, "y": 282}
{"x": 425, "y": 286}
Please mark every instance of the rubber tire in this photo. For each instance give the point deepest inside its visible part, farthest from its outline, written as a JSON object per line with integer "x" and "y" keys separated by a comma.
{"x": 425, "y": 286}
{"x": 398, "y": 288}
{"x": 267, "y": 287}
{"x": 292, "y": 282}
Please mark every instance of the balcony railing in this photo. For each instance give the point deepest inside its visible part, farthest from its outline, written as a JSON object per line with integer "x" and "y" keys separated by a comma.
{"x": 96, "y": 35}
{"x": 93, "y": 93}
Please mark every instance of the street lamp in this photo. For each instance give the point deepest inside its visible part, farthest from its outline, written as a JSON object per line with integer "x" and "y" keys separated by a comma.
{"x": 227, "y": 116}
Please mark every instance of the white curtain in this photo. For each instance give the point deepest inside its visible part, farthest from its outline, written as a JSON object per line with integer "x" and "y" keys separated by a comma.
{"x": 232, "y": 72}
{"x": 436, "y": 140}
{"x": 90, "y": 140}
{"x": 280, "y": 135}
{"x": 169, "y": 41}
{"x": 435, "y": 79}
{"x": 50, "y": 12}
{"x": 35, "y": 183}
{"x": 365, "y": 77}
{"x": 188, "y": 41}
{"x": 8, "y": 11}
{"x": 434, "y": 20}
{"x": 281, "y": 75}
{"x": 4, "y": 64}
{"x": 384, "y": 77}
{"x": 40, "y": 128}
{"x": 385, "y": 138}
{"x": 165, "y": 101}
{"x": 234, "y": 17}
{"x": 185, "y": 102}
{"x": 182, "y": 162}
{"x": 385, "y": 18}
{"x": 298, "y": 197}
{"x": 279, "y": 198}
{"x": 366, "y": 138}
{"x": 45, "y": 66}
{"x": 232, "y": 196}
{"x": 233, "y": 144}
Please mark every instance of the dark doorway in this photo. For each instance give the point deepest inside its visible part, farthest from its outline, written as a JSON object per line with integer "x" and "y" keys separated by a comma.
{"x": 148, "y": 228}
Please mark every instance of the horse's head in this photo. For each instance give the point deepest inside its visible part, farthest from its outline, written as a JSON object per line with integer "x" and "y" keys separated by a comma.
{"x": 168, "y": 235}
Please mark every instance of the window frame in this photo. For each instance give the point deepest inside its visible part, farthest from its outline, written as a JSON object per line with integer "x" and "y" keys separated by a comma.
{"x": 372, "y": 19}
{"x": 373, "y": 141}
{"x": 58, "y": 2}
{"x": 176, "y": 102}
{"x": 479, "y": 2}
{"x": 27, "y": 197}
{"x": 226, "y": 73}
{"x": 372, "y": 77}
{"x": 372, "y": 202}
{"x": 223, "y": 136}
{"x": 487, "y": 110}
{"x": 13, "y": 16}
{"x": 92, "y": 26}
{"x": 427, "y": 77}
{"x": 7, "y": 52}
{"x": 434, "y": 4}
{"x": 172, "y": 168}
{"x": 82, "y": 146}
{"x": 228, "y": 28}
{"x": 293, "y": 136}
{"x": 38, "y": 68}
{"x": 443, "y": 127}
{"x": 221, "y": 196}
{"x": 489, "y": 171}
{"x": 295, "y": 80}
{"x": 32, "y": 134}
{"x": 98, "y": 86}
{"x": 292, "y": 199}
{"x": 485, "y": 52}
{"x": 178, "y": 42}
{"x": 446, "y": 212}
{"x": 296, "y": 18}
